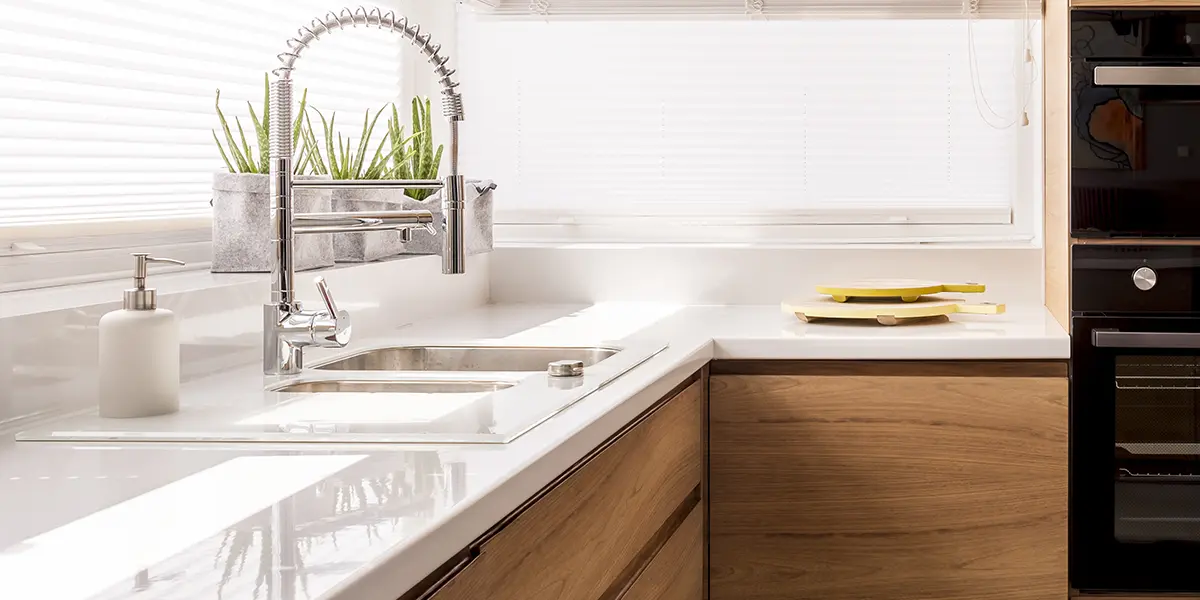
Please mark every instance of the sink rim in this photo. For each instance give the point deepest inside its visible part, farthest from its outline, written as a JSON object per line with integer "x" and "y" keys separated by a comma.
{"x": 320, "y": 365}
{"x": 497, "y": 384}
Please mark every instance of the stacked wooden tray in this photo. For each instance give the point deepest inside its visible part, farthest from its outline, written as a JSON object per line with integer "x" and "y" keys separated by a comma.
{"x": 892, "y": 302}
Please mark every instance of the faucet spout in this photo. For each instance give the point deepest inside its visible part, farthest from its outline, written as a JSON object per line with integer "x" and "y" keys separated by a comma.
{"x": 287, "y": 329}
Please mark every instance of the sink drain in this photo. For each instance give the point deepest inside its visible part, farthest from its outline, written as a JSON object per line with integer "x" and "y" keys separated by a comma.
{"x": 565, "y": 368}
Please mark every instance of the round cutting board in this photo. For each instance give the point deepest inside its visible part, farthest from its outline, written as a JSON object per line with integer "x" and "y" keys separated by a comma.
{"x": 907, "y": 290}
{"x": 889, "y": 313}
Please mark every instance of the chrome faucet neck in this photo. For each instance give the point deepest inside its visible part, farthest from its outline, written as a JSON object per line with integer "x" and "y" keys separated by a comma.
{"x": 287, "y": 329}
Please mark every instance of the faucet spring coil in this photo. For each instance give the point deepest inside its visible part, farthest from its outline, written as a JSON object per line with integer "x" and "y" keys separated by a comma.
{"x": 378, "y": 18}
{"x": 452, "y": 105}
{"x": 281, "y": 117}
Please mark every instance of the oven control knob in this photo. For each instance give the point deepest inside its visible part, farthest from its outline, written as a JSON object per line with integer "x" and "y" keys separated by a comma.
{"x": 1145, "y": 278}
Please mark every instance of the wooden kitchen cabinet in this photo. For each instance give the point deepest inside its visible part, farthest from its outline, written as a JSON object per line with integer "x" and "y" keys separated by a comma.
{"x": 888, "y": 480}
{"x": 677, "y": 571}
{"x": 599, "y": 531}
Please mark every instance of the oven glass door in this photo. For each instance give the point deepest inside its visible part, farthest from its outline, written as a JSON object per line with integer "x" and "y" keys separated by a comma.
{"x": 1135, "y": 123}
{"x": 1135, "y": 454}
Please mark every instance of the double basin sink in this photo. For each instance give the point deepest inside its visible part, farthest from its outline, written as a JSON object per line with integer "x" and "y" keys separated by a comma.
{"x": 477, "y": 393}
{"x": 441, "y": 393}
{"x": 452, "y": 359}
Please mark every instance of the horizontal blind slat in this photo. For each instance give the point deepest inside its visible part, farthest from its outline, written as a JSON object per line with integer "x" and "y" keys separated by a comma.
{"x": 106, "y": 107}
{"x": 550, "y": 9}
{"x": 641, "y": 117}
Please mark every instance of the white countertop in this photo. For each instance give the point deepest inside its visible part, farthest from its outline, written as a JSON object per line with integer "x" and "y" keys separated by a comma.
{"x": 189, "y": 521}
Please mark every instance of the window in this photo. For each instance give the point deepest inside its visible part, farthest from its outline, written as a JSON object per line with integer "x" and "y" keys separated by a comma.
{"x": 851, "y": 124}
{"x": 106, "y": 109}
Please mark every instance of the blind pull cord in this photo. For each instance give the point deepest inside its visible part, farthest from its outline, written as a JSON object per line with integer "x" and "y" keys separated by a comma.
{"x": 1026, "y": 69}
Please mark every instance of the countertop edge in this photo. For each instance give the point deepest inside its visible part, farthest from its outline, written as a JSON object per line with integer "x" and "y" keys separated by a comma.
{"x": 695, "y": 336}
{"x": 406, "y": 566}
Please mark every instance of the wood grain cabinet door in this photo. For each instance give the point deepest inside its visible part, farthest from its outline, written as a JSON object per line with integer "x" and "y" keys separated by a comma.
{"x": 677, "y": 571}
{"x": 584, "y": 538}
{"x": 885, "y": 486}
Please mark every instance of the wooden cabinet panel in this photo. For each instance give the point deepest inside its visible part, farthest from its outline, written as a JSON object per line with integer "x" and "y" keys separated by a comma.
{"x": 1056, "y": 159}
{"x": 888, "y": 487}
{"x": 677, "y": 571}
{"x": 578, "y": 541}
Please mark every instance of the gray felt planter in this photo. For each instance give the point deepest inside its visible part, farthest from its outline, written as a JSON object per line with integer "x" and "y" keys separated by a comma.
{"x": 242, "y": 225}
{"x": 478, "y": 226}
{"x": 373, "y": 245}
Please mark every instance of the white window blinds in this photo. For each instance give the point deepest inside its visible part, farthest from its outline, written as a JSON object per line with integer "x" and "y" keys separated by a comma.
{"x": 750, "y": 121}
{"x": 106, "y": 106}
{"x": 917, "y": 9}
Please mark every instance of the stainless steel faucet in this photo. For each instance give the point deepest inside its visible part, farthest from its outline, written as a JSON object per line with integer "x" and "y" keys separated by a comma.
{"x": 287, "y": 328}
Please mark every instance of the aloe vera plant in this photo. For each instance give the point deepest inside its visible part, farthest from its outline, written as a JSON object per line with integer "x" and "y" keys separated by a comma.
{"x": 241, "y": 156}
{"x": 345, "y": 158}
{"x": 418, "y": 160}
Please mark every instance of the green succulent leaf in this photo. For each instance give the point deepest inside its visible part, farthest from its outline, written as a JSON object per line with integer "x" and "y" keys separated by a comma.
{"x": 243, "y": 166}
{"x": 312, "y": 149}
{"x": 300, "y": 119}
{"x": 247, "y": 152}
{"x": 224, "y": 156}
{"x": 414, "y": 156}
{"x": 239, "y": 155}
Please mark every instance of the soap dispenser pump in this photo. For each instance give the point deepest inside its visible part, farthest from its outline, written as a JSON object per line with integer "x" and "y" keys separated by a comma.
{"x": 139, "y": 352}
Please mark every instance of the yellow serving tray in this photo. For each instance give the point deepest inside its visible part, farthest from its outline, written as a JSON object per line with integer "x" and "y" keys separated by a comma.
{"x": 889, "y": 313}
{"x": 908, "y": 290}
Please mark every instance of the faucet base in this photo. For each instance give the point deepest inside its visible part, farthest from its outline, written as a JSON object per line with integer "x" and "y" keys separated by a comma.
{"x": 280, "y": 357}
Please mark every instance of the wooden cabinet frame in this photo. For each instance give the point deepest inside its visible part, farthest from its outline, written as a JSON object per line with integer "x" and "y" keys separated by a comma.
{"x": 595, "y": 531}
{"x": 905, "y": 480}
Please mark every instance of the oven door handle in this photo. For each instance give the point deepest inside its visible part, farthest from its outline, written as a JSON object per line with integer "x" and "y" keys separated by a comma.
{"x": 1164, "y": 340}
{"x": 1147, "y": 75}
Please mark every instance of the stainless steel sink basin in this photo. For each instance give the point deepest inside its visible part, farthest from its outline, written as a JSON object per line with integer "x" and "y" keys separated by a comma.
{"x": 393, "y": 387}
{"x": 466, "y": 358}
{"x": 433, "y": 394}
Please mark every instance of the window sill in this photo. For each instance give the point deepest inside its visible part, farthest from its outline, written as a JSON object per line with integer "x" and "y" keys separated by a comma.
{"x": 666, "y": 233}
{"x": 167, "y": 281}
{"x": 999, "y": 244}
{"x": 28, "y": 263}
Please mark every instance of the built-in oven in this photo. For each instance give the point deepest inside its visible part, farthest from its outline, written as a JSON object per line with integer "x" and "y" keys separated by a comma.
{"x": 1135, "y": 419}
{"x": 1135, "y": 123}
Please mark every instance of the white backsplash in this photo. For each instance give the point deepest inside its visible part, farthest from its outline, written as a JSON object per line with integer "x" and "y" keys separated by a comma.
{"x": 586, "y": 273}
{"x": 48, "y": 356}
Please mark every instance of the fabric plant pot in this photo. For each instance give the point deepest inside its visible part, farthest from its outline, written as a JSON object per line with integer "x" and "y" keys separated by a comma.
{"x": 242, "y": 225}
{"x": 478, "y": 226}
{"x": 371, "y": 245}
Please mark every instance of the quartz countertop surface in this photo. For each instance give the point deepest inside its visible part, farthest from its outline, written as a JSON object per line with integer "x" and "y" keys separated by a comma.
{"x": 369, "y": 521}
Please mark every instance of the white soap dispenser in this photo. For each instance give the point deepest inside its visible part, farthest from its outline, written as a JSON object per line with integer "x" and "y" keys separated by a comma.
{"x": 139, "y": 352}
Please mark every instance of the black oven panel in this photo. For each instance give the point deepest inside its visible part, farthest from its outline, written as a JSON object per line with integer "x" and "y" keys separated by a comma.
{"x": 1135, "y": 123}
{"x": 1135, "y": 279}
{"x": 1135, "y": 419}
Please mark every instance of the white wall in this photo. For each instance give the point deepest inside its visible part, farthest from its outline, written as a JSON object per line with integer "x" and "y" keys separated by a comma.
{"x": 730, "y": 275}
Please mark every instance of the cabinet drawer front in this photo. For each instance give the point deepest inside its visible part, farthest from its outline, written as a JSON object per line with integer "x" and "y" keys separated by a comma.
{"x": 888, "y": 487}
{"x": 577, "y": 541}
{"x": 677, "y": 571}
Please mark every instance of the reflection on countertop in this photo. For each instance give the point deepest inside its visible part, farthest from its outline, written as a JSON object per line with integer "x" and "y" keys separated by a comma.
{"x": 282, "y": 522}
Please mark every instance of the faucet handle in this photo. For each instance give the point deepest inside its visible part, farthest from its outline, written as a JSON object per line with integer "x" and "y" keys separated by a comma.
{"x": 327, "y": 296}
{"x": 332, "y": 331}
